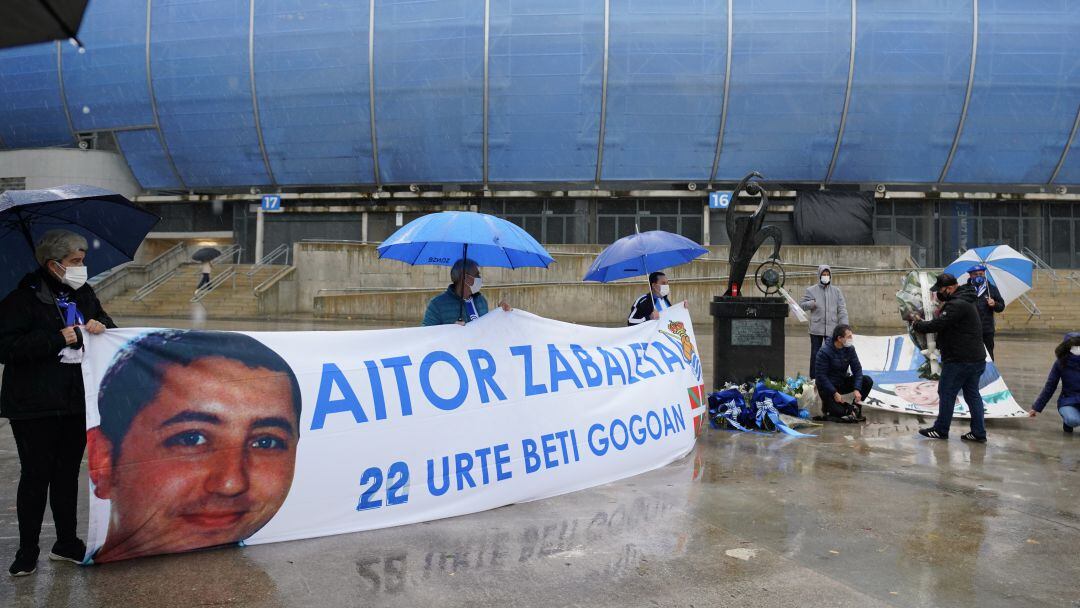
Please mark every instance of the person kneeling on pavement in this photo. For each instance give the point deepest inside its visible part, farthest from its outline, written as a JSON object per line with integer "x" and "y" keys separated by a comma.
{"x": 834, "y": 380}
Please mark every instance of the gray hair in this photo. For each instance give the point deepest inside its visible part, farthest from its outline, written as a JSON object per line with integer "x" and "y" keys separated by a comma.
{"x": 466, "y": 265}
{"x": 58, "y": 244}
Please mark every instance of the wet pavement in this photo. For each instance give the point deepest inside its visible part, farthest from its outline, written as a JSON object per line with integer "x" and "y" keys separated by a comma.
{"x": 863, "y": 515}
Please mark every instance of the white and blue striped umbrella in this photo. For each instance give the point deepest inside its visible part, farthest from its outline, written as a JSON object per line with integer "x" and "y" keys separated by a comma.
{"x": 1006, "y": 268}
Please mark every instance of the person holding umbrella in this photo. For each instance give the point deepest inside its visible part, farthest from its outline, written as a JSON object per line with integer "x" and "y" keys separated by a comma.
{"x": 41, "y": 346}
{"x": 648, "y": 306}
{"x": 462, "y": 301}
{"x": 645, "y": 253}
{"x": 463, "y": 240}
{"x": 988, "y": 304}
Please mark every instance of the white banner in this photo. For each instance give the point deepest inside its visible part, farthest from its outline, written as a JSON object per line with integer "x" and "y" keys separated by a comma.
{"x": 200, "y": 438}
{"x": 893, "y": 362}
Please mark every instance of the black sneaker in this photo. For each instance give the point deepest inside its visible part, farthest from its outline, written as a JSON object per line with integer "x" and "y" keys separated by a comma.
{"x": 973, "y": 437}
{"x": 933, "y": 433}
{"x": 1068, "y": 429}
{"x": 25, "y": 562}
{"x": 68, "y": 551}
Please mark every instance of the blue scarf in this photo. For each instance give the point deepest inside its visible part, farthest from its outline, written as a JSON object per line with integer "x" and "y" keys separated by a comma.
{"x": 72, "y": 316}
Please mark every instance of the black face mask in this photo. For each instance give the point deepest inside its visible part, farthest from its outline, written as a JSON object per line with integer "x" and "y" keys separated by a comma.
{"x": 943, "y": 296}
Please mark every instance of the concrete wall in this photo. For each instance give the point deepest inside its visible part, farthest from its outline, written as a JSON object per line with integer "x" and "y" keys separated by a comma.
{"x": 328, "y": 266}
{"x": 50, "y": 167}
{"x": 870, "y": 296}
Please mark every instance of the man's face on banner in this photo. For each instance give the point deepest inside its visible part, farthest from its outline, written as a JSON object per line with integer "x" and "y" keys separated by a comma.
{"x": 209, "y": 461}
{"x": 918, "y": 393}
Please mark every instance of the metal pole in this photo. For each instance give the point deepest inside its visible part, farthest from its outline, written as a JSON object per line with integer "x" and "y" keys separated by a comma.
{"x": 705, "y": 233}
{"x": 364, "y": 227}
{"x": 259, "y": 231}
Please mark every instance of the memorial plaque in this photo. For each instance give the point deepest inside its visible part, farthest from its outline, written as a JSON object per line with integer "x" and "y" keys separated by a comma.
{"x": 751, "y": 332}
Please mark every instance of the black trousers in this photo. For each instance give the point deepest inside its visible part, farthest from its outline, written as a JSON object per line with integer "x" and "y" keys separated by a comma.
{"x": 815, "y": 345}
{"x": 50, "y": 453}
{"x": 988, "y": 340}
{"x": 831, "y": 408}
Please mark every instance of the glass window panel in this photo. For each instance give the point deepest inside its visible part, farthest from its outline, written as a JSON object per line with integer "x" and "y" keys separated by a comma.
{"x": 906, "y": 228}
{"x": 1060, "y": 244}
{"x": 884, "y": 224}
{"x": 561, "y": 206}
{"x": 576, "y": 229}
{"x": 1030, "y": 209}
{"x": 617, "y": 206}
{"x": 1060, "y": 209}
{"x": 524, "y": 205}
{"x": 647, "y": 222}
{"x": 908, "y": 208}
{"x": 661, "y": 206}
{"x": 555, "y": 231}
{"x": 626, "y": 225}
{"x": 990, "y": 232}
{"x": 606, "y": 229}
{"x": 691, "y": 228}
{"x": 1010, "y": 233}
{"x": 669, "y": 223}
{"x": 534, "y": 226}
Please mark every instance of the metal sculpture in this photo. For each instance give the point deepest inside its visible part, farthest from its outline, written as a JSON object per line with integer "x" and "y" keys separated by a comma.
{"x": 748, "y": 233}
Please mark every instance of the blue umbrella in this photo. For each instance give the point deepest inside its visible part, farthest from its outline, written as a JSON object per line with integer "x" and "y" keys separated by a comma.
{"x": 440, "y": 239}
{"x": 112, "y": 225}
{"x": 1006, "y": 268}
{"x": 642, "y": 253}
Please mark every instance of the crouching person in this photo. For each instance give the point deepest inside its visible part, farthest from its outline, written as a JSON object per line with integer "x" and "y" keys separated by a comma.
{"x": 837, "y": 372}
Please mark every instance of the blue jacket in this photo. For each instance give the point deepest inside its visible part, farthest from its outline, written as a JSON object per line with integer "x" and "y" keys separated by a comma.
{"x": 1069, "y": 375}
{"x": 447, "y": 307}
{"x": 831, "y": 367}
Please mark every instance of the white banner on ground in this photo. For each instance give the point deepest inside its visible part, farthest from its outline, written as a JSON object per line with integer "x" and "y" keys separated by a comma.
{"x": 200, "y": 438}
{"x": 893, "y": 362}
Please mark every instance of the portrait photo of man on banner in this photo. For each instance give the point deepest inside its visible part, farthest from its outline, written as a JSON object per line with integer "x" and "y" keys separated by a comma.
{"x": 196, "y": 444}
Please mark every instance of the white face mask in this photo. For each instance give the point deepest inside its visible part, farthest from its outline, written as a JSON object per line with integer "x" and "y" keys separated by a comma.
{"x": 826, "y": 279}
{"x": 74, "y": 276}
{"x": 848, "y": 343}
{"x": 476, "y": 284}
{"x": 665, "y": 290}
{"x": 1075, "y": 350}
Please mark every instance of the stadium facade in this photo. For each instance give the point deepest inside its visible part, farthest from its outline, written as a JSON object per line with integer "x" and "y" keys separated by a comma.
{"x": 555, "y": 98}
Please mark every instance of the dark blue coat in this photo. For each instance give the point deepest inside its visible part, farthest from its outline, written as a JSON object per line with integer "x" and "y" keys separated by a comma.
{"x": 831, "y": 367}
{"x": 1069, "y": 376}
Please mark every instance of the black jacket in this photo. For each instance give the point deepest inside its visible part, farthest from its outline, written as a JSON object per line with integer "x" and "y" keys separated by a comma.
{"x": 986, "y": 312}
{"x": 643, "y": 308}
{"x": 958, "y": 328}
{"x": 831, "y": 367}
{"x": 36, "y": 384}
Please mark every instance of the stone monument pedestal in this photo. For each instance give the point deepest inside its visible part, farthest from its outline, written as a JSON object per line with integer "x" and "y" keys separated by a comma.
{"x": 748, "y": 338}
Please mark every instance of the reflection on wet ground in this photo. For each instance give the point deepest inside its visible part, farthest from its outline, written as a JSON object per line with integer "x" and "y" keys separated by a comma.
{"x": 863, "y": 515}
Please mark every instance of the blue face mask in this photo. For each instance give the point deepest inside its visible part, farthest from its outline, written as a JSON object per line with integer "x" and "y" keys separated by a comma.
{"x": 979, "y": 280}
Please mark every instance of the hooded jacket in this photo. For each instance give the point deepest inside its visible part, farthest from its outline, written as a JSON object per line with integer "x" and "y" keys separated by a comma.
{"x": 826, "y": 306}
{"x": 1068, "y": 373}
{"x": 36, "y": 384}
{"x": 958, "y": 328}
{"x": 987, "y": 312}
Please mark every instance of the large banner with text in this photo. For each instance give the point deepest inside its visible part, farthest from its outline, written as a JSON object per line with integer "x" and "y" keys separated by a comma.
{"x": 203, "y": 438}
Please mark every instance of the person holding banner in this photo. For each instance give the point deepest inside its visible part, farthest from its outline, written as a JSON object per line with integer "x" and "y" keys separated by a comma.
{"x": 41, "y": 348}
{"x": 462, "y": 301}
{"x": 963, "y": 357}
{"x": 196, "y": 445}
{"x": 648, "y": 306}
{"x": 1066, "y": 369}
{"x": 988, "y": 304}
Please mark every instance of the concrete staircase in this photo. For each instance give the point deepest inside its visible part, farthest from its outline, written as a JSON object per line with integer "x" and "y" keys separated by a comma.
{"x": 1058, "y": 302}
{"x": 233, "y": 299}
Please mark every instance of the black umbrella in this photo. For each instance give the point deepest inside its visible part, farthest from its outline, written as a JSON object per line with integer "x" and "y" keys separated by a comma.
{"x": 112, "y": 225}
{"x": 30, "y": 21}
{"x": 206, "y": 254}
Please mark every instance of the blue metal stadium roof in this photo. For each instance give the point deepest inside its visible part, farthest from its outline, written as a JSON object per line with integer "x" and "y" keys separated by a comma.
{"x": 237, "y": 93}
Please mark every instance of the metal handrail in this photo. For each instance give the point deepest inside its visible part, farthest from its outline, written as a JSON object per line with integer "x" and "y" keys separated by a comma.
{"x": 1043, "y": 265}
{"x": 160, "y": 260}
{"x": 232, "y": 251}
{"x": 154, "y": 284}
{"x": 269, "y": 258}
{"x": 1029, "y": 304}
{"x": 218, "y": 281}
{"x": 274, "y": 278}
